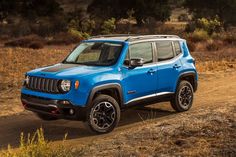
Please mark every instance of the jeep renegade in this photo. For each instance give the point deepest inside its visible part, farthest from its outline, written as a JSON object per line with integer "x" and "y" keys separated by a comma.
{"x": 105, "y": 74}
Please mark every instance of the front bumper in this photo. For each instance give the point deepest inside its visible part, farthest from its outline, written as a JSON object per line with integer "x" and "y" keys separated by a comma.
{"x": 62, "y": 109}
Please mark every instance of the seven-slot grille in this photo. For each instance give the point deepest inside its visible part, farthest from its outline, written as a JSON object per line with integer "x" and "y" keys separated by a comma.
{"x": 43, "y": 84}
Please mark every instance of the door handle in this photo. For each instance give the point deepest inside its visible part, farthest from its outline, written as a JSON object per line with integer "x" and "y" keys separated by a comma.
{"x": 151, "y": 71}
{"x": 176, "y": 66}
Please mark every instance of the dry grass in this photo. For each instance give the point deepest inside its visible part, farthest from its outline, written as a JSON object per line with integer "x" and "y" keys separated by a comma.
{"x": 16, "y": 61}
{"x": 204, "y": 132}
{"x": 31, "y": 41}
{"x": 37, "y": 146}
{"x": 214, "y": 66}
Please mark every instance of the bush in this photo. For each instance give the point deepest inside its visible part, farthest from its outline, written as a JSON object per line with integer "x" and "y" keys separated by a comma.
{"x": 30, "y": 41}
{"x": 190, "y": 27}
{"x": 37, "y": 146}
{"x": 212, "y": 45}
{"x": 79, "y": 34}
{"x": 108, "y": 26}
{"x": 191, "y": 45}
{"x": 229, "y": 38}
{"x": 36, "y": 45}
{"x": 199, "y": 35}
{"x": 64, "y": 39}
{"x": 183, "y": 17}
{"x": 21, "y": 29}
{"x": 210, "y": 25}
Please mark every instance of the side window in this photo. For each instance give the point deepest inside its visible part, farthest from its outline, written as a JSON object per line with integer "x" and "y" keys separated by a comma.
{"x": 177, "y": 48}
{"x": 141, "y": 50}
{"x": 164, "y": 50}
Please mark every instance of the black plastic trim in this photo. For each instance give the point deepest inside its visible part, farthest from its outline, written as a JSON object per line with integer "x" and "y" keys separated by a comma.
{"x": 103, "y": 87}
{"x": 193, "y": 74}
{"x": 45, "y": 106}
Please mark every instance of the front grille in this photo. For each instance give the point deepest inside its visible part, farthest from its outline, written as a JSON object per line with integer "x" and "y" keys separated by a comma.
{"x": 43, "y": 84}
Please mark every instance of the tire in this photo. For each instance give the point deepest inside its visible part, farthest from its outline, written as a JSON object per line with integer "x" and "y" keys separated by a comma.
{"x": 103, "y": 114}
{"x": 183, "y": 99}
{"x": 46, "y": 117}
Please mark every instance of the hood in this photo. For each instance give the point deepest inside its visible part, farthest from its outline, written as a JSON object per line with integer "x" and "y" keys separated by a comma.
{"x": 69, "y": 70}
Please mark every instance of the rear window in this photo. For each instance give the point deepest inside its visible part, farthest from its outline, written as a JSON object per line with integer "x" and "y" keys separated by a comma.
{"x": 177, "y": 48}
{"x": 164, "y": 50}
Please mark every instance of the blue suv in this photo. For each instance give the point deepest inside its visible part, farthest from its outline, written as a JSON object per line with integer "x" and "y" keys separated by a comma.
{"x": 104, "y": 74}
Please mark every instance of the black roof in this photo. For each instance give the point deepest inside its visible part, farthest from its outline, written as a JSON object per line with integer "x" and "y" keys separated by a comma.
{"x": 132, "y": 37}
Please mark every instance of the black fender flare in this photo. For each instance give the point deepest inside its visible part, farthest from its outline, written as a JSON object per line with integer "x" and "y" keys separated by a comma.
{"x": 95, "y": 89}
{"x": 186, "y": 74}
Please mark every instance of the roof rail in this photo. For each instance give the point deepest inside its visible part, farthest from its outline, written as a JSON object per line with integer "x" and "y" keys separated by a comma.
{"x": 151, "y": 36}
{"x": 114, "y": 35}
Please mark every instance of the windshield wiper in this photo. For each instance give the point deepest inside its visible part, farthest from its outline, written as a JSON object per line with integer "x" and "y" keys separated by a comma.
{"x": 65, "y": 62}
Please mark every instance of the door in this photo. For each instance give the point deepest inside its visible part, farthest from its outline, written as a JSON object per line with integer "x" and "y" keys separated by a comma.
{"x": 140, "y": 82}
{"x": 168, "y": 65}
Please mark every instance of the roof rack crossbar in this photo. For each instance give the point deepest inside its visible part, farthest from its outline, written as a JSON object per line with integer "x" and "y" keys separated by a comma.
{"x": 114, "y": 35}
{"x": 151, "y": 36}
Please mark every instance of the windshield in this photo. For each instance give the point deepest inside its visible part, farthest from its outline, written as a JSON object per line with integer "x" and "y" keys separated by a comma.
{"x": 95, "y": 53}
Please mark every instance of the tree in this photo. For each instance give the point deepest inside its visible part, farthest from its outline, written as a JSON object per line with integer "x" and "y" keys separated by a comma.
{"x": 29, "y": 9}
{"x": 37, "y": 8}
{"x": 224, "y": 9}
{"x": 105, "y": 9}
{"x": 6, "y": 8}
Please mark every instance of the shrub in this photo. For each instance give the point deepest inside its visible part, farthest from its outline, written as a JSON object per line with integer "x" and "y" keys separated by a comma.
{"x": 199, "y": 35}
{"x": 183, "y": 17}
{"x": 217, "y": 36}
{"x": 209, "y": 25}
{"x": 229, "y": 38}
{"x": 30, "y": 41}
{"x": 37, "y": 146}
{"x": 21, "y": 29}
{"x": 108, "y": 26}
{"x": 190, "y": 27}
{"x": 64, "y": 38}
{"x": 36, "y": 45}
{"x": 191, "y": 45}
{"x": 212, "y": 45}
{"x": 79, "y": 34}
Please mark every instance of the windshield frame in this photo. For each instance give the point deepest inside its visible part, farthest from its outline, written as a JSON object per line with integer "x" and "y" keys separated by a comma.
{"x": 98, "y": 41}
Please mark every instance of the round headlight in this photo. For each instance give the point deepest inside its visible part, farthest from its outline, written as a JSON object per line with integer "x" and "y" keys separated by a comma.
{"x": 65, "y": 85}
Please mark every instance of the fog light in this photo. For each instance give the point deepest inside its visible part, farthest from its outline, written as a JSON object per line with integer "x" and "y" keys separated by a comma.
{"x": 71, "y": 111}
{"x": 64, "y": 102}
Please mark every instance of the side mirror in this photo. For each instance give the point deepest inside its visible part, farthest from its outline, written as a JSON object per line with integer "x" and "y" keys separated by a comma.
{"x": 136, "y": 62}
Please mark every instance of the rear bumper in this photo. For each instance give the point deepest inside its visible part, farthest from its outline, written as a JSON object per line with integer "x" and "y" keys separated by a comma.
{"x": 62, "y": 109}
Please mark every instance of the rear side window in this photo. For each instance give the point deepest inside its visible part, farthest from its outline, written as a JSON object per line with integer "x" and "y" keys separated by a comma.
{"x": 164, "y": 50}
{"x": 177, "y": 48}
{"x": 142, "y": 50}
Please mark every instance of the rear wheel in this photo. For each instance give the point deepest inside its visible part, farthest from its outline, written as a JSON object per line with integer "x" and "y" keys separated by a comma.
{"x": 103, "y": 114}
{"x": 46, "y": 117}
{"x": 183, "y": 98}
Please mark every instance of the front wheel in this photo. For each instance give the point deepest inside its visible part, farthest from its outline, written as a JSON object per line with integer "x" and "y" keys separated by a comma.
{"x": 103, "y": 114}
{"x": 183, "y": 98}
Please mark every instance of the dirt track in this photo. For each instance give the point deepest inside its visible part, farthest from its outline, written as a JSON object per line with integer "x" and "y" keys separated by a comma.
{"x": 214, "y": 89}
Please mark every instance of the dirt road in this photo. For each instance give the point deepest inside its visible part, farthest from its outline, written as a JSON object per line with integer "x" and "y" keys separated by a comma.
{"x": 214, "y": 89}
